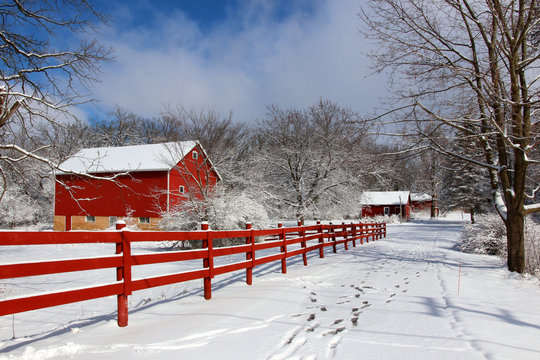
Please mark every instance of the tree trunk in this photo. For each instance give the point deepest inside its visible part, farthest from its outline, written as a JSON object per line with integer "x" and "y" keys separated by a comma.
{"x": 434, "y": 206}
{"x": 515, "y": 240}
{"x": 473, "y": 221}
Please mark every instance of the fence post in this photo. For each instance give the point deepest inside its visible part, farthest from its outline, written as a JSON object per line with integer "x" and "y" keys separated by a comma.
{"x": 208, "y": 261}
{"x": 303, "y": 242}
{"x": 121, "y": 299}
{"x": 321, "y": 239}
{"x": 384, "y": 229}
{"x": 344, "y": 231}
{"x": 283, "y": 248}
{"x": 333, "y": 232}
{"x": 353, "y": 232}
{"x": 362, "y": 232}
{"x": 249, "y": 255}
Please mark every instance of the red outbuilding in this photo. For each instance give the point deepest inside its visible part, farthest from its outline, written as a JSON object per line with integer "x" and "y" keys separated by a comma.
{"x": 97, "y": 187}
{"x": 421, "y": 202}
{"x": 380, "y": 203}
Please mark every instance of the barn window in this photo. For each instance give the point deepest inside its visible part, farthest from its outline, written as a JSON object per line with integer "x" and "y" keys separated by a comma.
{"x": 144, "y": 220}
{"x": 112, "y": 220}
{"x": 386, "y": 210}
{"x": 181, "y": 189}
{"x": 90, "y": 218}
{"x": 195, "y": 155}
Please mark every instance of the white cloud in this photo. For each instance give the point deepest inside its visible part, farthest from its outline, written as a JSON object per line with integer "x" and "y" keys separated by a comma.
{"x": 243, "y": 64}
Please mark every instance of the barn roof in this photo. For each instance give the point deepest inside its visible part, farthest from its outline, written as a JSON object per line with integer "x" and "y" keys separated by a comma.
{"x": 385, "y": 197}
{"x": 420, "y": 197}
{"x": 150, "y": 157}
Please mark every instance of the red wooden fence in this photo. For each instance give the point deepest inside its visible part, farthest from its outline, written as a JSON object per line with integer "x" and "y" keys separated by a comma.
{"x": 310, "y": 238}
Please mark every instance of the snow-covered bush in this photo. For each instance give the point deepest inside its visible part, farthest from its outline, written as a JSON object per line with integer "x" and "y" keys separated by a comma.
{"x": 223, "y": 211}
{"x": 17, "y": 208}
{"x": 392, "y": 219}
{"x": 487, "y": 236}
{"x": 532, "y": 247}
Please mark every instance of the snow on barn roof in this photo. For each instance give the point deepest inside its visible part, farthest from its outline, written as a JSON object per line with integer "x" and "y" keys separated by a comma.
{"x": 150, "y": 157}
{"x": 420, "y": 197}
{"x": 385, "y": 197}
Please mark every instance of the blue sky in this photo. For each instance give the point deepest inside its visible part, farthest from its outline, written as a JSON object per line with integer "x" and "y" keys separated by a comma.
{"x": 236, "y": 55}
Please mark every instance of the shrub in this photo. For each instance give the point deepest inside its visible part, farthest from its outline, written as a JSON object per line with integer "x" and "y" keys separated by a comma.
{"x": 488, "y": 236}
{"x": 532, "y": 247}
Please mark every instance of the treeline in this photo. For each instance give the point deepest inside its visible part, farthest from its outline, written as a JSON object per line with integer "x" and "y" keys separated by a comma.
{"x": 291, "y": 164}
{"x": 307, "y": 163}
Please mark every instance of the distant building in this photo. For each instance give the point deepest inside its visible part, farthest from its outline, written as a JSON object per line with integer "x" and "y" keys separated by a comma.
{"x": 421, "y": 202}
{"x": 380, "y": 203}
{"x": 149, "y": 180}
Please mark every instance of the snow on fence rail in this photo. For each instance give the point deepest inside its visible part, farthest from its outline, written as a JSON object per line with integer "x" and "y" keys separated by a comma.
{"x": 289, "y": 241}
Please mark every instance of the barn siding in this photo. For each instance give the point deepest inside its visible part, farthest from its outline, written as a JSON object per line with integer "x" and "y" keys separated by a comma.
{"x": 139, "y": 192}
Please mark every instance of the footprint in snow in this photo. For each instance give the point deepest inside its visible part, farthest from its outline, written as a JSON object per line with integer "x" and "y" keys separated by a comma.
{"x": 334, "y": 332}
{"x": 338, "y": 321}
{"x": 311, "y": 317}
{"x": 366, "y": 304}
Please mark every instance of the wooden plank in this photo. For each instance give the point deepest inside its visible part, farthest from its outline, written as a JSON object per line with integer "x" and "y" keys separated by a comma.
{"x": 14, "y": 306}
{"x": 57, "y": 267}
{"x": 147, "y": 283}
{"x": 223, "y": 269}
{"x": 268, "y": 259}
{"x": 268, "y": 245}
{"x": 147, "y": 259}
{"x": 144, "y": 236}
{"x": 49, "y": 237}
{"x": 232, "y": 250}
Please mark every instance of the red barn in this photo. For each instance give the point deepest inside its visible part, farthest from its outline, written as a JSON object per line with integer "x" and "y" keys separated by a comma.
{"x": 421, "y": 202}
{"x": 149, "y": 180}
{"x": 380, "y": 203}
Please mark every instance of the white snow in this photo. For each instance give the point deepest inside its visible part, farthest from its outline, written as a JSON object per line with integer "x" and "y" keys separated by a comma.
{"x": 421, "y": 197}
{"x": 150, "y": 157}
{"x": 409, "y": 296}
{"x": 385, "y": 197}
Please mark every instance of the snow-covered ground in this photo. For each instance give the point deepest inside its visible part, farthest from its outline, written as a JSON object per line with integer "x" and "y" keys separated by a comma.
{"x": 409, "y": 296}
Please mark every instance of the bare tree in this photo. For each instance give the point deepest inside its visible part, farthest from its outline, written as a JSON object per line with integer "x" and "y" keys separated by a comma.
{"x": 306, "y": 156}
{"x": 39, "y": 83}
{"x": 468, "y": 67}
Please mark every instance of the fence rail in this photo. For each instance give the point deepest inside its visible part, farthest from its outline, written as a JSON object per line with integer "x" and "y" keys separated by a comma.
{"x": 290, "y": 241}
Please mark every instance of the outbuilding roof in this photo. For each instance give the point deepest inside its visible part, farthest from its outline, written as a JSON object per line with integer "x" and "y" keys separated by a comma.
{"x": 150, "y": 157}
{"x": 420, "y": 197}
{"x": 385, "y": 197}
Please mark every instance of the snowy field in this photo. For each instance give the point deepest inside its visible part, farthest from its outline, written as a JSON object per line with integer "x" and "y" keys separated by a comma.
{"x": 409, "y": 296}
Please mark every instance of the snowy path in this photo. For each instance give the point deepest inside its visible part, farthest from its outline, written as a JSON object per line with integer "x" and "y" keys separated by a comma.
{"x": 395, "y": 298}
